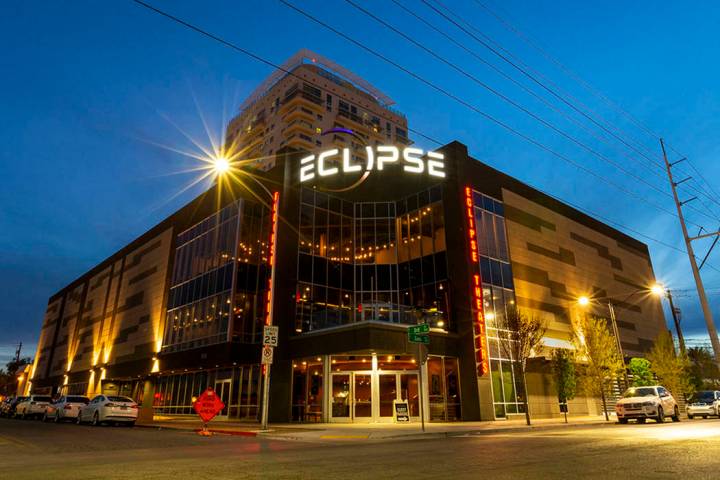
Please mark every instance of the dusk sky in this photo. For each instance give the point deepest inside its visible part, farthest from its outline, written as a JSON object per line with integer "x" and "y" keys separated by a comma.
{"x": 89, "y": 90}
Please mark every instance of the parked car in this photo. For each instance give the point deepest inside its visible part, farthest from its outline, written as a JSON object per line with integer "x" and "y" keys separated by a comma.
{"x": 65, "y": 407}
{"x": 32, "y": 406}
{"x": 6, "y": 405}
{"x": 703, "y": 404}
{"x": 109, "y": 408}
{"x": 642, "y": 403}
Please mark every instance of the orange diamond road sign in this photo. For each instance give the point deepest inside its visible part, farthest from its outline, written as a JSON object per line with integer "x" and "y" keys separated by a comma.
{"x": 208, "y": 405}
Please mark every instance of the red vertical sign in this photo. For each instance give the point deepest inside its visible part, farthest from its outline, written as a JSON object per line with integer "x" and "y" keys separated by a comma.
{"x": 476, "y": 297}
{"x": 271, "y": 261}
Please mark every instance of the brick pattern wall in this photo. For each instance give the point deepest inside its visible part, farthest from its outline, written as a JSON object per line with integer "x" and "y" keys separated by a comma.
{"x": 556, "y": 259}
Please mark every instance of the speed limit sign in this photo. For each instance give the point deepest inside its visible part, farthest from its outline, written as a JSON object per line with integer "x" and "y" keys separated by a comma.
{"x": 270, "y": 335}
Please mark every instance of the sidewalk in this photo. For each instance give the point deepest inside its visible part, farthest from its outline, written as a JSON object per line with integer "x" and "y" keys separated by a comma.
{"x": 373, "y": 431}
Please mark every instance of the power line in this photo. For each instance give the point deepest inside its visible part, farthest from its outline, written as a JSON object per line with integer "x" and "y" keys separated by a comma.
{"x": 523, "y": 68}
{"x": 512, "y": 28}
{"x": 474, "y": 108}
{"x": 270, "y": 63}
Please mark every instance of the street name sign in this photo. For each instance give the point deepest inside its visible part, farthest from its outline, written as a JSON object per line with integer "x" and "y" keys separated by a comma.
{"x": 419, "y": 338}
{"x": 419, "y": 329}
{"x": 270, "y": 335}
{"x": 208, "y": 405}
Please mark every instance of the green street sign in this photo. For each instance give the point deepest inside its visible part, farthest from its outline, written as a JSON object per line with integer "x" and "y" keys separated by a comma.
{"x": 418, "y": 329}
{"x": 418, "y": 338}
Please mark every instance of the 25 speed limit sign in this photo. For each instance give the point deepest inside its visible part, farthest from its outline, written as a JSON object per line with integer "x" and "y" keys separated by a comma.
{"x": 270, "y": 336}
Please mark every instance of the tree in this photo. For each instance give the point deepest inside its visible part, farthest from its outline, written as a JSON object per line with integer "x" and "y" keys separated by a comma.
{"x": 671, "y": 368}
{"x": 8, "y": 376}
{"x": 563, "y": 368}
{"x": 597, "y": 350}
{"x": 641, "y": 372}
{"x": 704, "y": 372}
{"x": 525, "y": 333}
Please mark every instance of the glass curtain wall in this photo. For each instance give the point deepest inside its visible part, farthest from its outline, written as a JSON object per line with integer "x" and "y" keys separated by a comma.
{"x": 498, "y": 296}
{"x": 226, "y": 249}
{"x": 239, "y": 387}
{"x": 371, "y": 261}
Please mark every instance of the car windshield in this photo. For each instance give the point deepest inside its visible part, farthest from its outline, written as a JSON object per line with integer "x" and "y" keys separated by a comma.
{"x": 42, "y": 399}
{"x": 121, "y": 399}
{"x": 704, "y": 396}
{"x": 84, "y": 400}
{"x": 639, "y": 392}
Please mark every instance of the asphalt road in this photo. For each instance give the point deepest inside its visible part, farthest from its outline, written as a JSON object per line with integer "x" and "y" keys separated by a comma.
{"x": 690, "y": 449}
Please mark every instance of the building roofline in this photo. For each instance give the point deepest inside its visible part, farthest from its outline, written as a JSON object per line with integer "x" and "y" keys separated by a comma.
{"x": 304, "y": 56}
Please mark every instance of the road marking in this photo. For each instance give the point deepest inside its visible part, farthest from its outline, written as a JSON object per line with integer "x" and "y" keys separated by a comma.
{"x": 337, "y": 437}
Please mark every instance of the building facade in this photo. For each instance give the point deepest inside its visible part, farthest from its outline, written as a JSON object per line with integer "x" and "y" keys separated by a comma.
{"x": 366, "y": 236}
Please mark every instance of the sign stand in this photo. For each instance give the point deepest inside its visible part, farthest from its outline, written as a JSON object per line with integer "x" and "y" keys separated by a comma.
{"x": 207, "y": 406}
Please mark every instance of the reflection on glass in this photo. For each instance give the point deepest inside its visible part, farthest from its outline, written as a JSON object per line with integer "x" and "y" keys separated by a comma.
{"x": 341, "y": 396}
{"x": 363, "y": 396}
{"x": 409, "y": 392}
{"x": 388, "y": 389}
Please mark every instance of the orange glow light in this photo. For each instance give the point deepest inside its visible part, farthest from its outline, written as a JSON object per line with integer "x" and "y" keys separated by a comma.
{"x": 481, "y": 357}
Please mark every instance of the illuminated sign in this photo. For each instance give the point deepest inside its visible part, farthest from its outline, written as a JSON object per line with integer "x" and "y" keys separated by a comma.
{"x": 476, "y": 297}
{"x": 271, "y": 262}
{"x": 336, "y": 161}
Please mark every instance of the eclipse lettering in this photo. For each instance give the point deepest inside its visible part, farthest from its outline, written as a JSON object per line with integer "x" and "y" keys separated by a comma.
{"x": 414, "y": 160}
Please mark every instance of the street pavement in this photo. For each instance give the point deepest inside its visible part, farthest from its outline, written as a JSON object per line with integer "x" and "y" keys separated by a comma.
{"x": 690, "y": 449}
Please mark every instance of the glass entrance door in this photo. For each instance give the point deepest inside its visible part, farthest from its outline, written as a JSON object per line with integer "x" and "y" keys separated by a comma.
{"x": 367, "y": 396}
{"x": 222, "y": 390}
{"x": 340, "y": 398}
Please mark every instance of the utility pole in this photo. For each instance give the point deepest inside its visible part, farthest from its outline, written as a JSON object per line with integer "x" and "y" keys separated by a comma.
{"x": 616, "y": 333}
{"x": 676, "y": 319}
{"x": 17, "y": 353}
{"x": 693, "y": 263}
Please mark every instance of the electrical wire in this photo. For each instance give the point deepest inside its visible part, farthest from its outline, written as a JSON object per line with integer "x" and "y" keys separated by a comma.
{"x": 272, "y": 64}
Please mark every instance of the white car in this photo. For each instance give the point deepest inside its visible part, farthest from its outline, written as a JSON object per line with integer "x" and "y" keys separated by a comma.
{"x": 703, "y": 404}
{"x": 642, "y": 403}
{"x": 32, "y": 406}
{"x": 109, "y": 408}
{"x": 65, "y": 407}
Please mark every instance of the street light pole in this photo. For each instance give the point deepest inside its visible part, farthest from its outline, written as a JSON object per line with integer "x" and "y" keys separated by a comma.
{"x": 616, "y": 333}
{"x": 681, "y": 339}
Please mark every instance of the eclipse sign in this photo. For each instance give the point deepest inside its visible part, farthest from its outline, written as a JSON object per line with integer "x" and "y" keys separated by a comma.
{"x": 335, "y": 161}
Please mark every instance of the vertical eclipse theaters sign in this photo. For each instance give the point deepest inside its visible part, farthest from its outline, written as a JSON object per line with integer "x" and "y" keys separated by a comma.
{"x": 476, "y": 297}
{"x": 271, "y": 263}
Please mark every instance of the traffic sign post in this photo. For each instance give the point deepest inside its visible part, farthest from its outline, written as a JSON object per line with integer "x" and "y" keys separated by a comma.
{"x": 270, "y": 335}
{"x": 419, "y": 334}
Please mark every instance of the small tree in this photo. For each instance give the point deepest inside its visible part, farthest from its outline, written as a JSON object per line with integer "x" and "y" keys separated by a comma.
{"x": 563, "y": 368}
{"x": 671, "y": 368}
{"x": 597, "y": 349}
{"x": 704, "y": 372}
{"x": 641, "y": 372}
{"x": 525, "y": 333}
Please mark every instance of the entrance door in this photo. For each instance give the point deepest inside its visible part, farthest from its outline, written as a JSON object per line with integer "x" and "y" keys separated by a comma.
{"x": 222, "y": 390}
{"x": 340, "y": 397}
{"x": 362, "y": 397}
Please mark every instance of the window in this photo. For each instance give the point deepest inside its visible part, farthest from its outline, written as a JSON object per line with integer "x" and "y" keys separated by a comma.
{"x": 328, "y": 102}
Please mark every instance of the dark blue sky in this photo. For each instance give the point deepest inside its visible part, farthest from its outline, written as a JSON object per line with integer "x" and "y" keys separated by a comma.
{"x": 87, "y": 87}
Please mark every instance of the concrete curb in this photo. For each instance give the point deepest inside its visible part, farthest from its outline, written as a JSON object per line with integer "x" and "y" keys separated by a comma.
{"x": 328, "y": 435}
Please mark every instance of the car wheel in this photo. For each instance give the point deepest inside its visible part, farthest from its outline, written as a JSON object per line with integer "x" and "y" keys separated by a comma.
{"x": 690, "y": 417}
{"x": 623, "y": 421}
{"x": 23, "y": 416}
{"x": 131, "y": 424}
{"x": 704, "y": 417}
{"x": 44, "y": 417}
{"x": 676, "y": 414}
{"x": 96, "y": 420}
{"x": 641, "y": 420}
{"x": 79, "y": 420}
{"x": 57, "y": 417}
{"x": 660, "y": 416}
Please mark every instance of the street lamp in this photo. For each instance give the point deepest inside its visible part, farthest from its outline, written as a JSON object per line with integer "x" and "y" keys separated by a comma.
{"x": 221, "y": 165}
{"x": 660, "y": 291}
